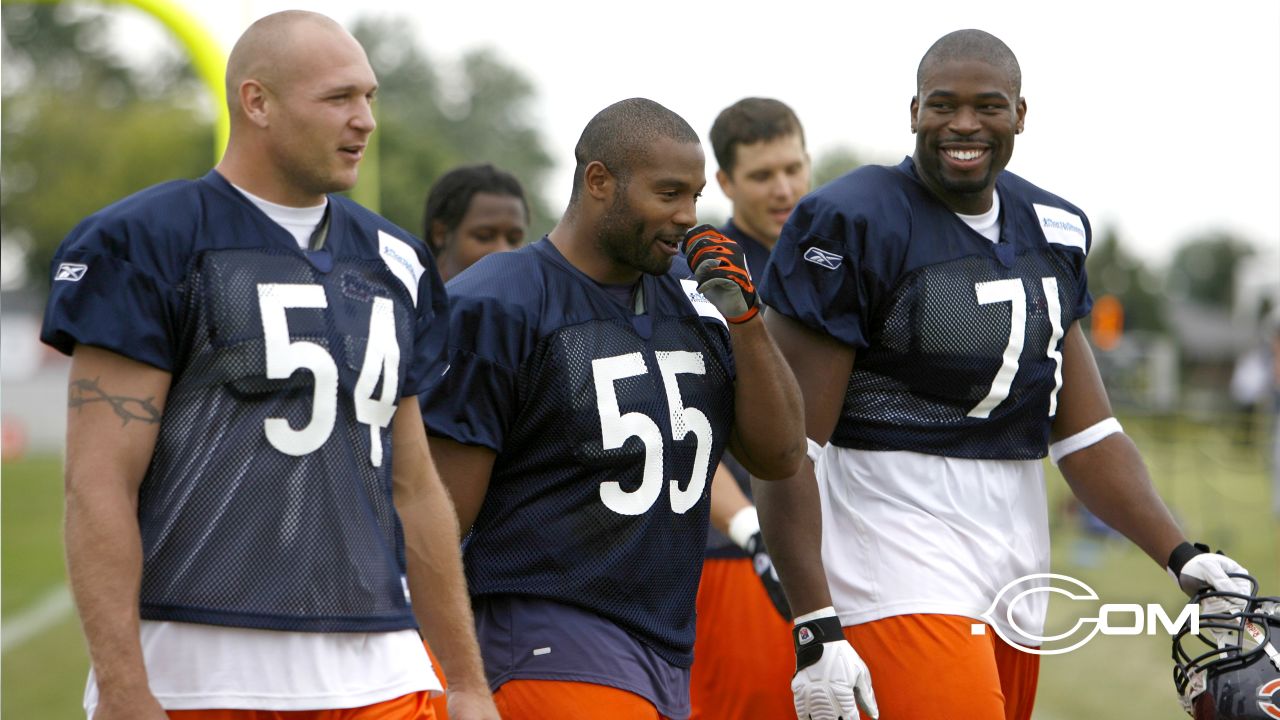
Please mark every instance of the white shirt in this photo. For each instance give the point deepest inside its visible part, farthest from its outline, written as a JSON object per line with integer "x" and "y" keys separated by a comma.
{"x": 904, "y": 532}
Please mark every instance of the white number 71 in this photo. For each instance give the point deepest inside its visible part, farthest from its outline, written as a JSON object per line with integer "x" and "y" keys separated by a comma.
{"x": 1011, "y": 291}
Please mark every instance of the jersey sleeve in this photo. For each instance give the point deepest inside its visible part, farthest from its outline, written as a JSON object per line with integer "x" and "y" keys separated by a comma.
{"x": 820, "y": 273}
{"x": 107, "y": 292}
{"x": 1084, "y": 300}
{"x": 473, "y": 399}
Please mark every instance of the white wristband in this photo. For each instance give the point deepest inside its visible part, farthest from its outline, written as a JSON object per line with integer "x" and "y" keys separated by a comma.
{"x": 825, "y": 612}
{"x": 1083, "y": 439}
{"x": 744, "y": 524}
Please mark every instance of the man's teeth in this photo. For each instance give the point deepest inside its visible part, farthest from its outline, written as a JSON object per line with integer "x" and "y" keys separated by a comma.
{"x": 964, "y": 154}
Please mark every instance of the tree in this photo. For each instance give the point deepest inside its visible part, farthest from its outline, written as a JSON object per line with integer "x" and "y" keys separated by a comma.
{"x": 834, "y": 163}
{"x": 1113, "y": 271}
{"x": 83, "y": 128}
{"x": 428, "y": 124}
{"x": 1203, "y": 269}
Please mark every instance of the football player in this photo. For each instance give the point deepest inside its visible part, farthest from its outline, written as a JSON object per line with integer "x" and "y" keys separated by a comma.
{"x": 246, "y": 351}
{"x": 742, "y": 661}
{"x": 591, "y": 390}
{"x": 958, "y": 287}
{"x": 472, "y": 211}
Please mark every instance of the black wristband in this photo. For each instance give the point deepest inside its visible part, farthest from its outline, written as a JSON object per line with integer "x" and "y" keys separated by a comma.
{"x": 1181, "y": 554}
{"x": 809, "y": 637}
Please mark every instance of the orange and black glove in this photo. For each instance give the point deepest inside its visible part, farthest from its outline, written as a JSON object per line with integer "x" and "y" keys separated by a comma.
{"x": 720, "y": 267}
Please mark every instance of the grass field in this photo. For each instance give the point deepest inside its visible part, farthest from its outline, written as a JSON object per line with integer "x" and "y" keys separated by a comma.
{"x": 1218, "y": 489}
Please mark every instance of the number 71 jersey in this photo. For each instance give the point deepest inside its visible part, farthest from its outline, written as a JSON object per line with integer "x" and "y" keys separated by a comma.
{"x": 607, "y": 426}
{"x": 267, "y": 503}
{"x": 958, "y": 339}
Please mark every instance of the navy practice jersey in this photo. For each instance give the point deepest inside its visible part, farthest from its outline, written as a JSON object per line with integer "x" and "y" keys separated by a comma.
{"x": 720, "y": 545}
{"x": 607, "y": 427}
{"x": 268, "y": 502}
{"x": 959, "y": 340}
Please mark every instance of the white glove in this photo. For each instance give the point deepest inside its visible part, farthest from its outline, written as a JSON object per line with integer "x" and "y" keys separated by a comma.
{"x": 1201, "y": 569}
{"x": 830, "y": 677}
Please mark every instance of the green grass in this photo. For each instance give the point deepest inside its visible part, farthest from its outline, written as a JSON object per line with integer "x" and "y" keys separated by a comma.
{"x": 1220, "y": 492}
{"x": 42, "y": 679}
{"x": 1218, "y": 489}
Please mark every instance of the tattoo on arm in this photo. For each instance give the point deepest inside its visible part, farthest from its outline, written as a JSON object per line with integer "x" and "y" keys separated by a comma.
{"x": 85, "y": 391}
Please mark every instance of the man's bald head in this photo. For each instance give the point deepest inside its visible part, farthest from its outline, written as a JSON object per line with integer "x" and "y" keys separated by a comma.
{"x": 972, "y": 45}
{"x": 267, "y": 51}
{"x": 622, "y": 137}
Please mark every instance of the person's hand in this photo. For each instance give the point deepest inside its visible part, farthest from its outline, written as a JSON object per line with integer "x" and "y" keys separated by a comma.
{"x": 1195, "y": 569}
{"x": 830, "y": 678}
{"x": 471, "y": 705}
{"x": 720, "y": 268}
{"x": 140, "y": 705}
{"x": 768, "y": 575}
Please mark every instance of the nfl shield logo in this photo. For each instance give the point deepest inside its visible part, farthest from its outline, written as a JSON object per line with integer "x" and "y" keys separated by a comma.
{"x": 70, "y": 271}
{"x": 805, "y": 636}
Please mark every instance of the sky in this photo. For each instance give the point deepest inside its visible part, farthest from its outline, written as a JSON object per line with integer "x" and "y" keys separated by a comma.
{"x": 1161, "y": 121}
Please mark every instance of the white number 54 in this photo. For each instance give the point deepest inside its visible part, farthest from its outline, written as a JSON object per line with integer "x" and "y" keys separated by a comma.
{"x": 286, "y": 356}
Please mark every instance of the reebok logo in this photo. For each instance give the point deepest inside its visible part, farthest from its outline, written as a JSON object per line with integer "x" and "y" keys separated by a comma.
{"x": 71, "y": 272}
{"x": 818, "y": 256}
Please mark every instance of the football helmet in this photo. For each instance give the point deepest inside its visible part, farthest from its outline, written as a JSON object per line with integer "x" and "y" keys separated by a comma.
{"x": 1230, "y": 669}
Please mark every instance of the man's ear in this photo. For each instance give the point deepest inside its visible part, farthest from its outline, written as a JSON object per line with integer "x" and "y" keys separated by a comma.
{"x": 254, "y": 102}
{"x": 599, "y": 182}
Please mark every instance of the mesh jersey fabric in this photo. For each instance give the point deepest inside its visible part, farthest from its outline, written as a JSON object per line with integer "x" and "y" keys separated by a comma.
{"x": 292, "y": 529}
{"x": 607, "y": 426}
{"x": 959, "y": 340}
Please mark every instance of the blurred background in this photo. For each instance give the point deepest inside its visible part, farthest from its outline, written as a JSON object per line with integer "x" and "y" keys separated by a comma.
{"x": 1163, "y": 124}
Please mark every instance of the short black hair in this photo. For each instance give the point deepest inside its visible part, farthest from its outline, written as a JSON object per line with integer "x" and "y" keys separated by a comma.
{"x": 972, "y": 45}
{"x": 450, "y": 196}
{"x": 621, "y": 135}
{"x": 751, "y": 120}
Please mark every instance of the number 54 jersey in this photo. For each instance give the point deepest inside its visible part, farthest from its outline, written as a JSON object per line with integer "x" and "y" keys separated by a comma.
{"x": 267, "y": 503}
{"x": 607, "y": 424}
{"x": 959, "y": 339}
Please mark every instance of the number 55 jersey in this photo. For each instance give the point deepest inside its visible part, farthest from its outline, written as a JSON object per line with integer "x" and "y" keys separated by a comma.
{"x": 267, "y": 503}
{"x": 933, "y": 470}
{"x": 607, "y": 423}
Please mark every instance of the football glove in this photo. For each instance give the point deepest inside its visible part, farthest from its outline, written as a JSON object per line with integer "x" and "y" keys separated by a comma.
{"x": 720, "y": 267}
{"x": 1194, "y": 568}
{"x": 830, "y": 678}
{"x": 767, "y": 574}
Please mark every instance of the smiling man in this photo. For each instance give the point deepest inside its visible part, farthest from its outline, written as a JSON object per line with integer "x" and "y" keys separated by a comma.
{"x": 958, "y": 286}
{"x": 592, "y": 388}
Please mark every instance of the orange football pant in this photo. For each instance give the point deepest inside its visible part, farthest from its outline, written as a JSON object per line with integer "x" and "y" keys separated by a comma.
{"x": 933, "y": 666}
{"x": 439, "y": 703}
{"x": 564, "y": 700}
{"x": 414, "y": 706}
{"x": 743, "y": 657}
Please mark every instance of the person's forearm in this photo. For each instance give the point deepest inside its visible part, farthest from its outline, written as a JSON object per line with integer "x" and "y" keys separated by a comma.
{"x": 791, "y": 520}
{"x": 1111, "y": 480}
{"x": 438, "y": 587}
{"x": 769, "y": 414}
{"x": 104, "y": 562}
